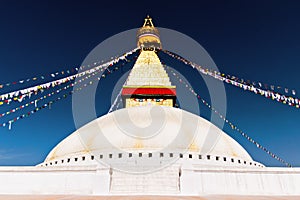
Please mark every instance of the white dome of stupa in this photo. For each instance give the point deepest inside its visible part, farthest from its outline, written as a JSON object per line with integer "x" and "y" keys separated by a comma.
{"x": 149, "y": 129}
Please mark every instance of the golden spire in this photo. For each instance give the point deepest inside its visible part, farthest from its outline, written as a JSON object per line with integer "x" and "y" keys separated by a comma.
{"x": 148, "y": 22}
{"x": 148, "y": 83}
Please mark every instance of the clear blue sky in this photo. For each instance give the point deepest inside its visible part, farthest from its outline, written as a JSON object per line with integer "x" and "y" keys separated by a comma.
{"x": 255, "y": 40}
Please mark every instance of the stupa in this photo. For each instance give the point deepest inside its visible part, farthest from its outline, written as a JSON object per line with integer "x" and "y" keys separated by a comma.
{"x": 150, "y": 147}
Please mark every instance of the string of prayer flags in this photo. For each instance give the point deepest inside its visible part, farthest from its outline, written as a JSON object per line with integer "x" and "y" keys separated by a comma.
{"x": 20, "y": 95}
{"x": 58, "y": 73}
{"x": 232, "y": 125}
{"x": 245, "y": 85}
{"x": 48, "y": 104}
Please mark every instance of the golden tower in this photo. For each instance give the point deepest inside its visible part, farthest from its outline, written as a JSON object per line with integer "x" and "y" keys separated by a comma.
{"x": 148, "y": 82}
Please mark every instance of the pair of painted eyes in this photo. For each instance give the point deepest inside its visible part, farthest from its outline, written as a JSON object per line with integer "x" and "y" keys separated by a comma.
{"x": 143, "y": 100}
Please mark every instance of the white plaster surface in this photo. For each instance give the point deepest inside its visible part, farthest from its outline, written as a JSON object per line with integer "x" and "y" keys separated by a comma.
{"x": 175, "y": 180}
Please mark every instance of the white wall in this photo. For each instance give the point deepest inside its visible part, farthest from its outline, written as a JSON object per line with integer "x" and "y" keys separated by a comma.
{"x": 54, "y": 180}
{"x": 93, "y": 180}
{"x": 265, "y": 181}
